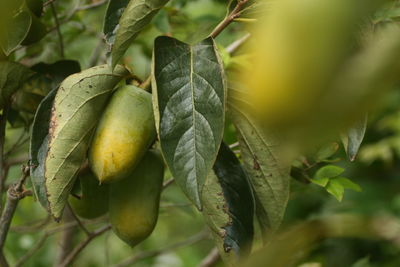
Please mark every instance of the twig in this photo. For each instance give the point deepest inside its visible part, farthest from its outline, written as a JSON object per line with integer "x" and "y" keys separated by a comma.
{"x": 3, "y": 123}
{"x": 15, "y": 193}
{"x": 146, "y": 85}
{"x": 31, "y": 227}
{"x": 78, "y": 221}
{"x": 94, "y": 57}
{"x": 238, "y": 43}
{"x": 228, "y": 19}
{"x": 211, "y": 259}
{"x": 32, "y": 251}
{"x": 75, "y": 252}
{"x": 168, "y": 183}
{"x": 60, "y": 38}
{"x": 66, "y": 238}
{"x": 48, "y": 3}
{"x": 90, "y": 6}
{"x": 152, "y": 253}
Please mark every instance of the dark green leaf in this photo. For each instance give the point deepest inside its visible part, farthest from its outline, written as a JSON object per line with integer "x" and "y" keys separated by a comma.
{"x": 229, "y": 206}
{"x": 59, "y": 70}
{"x": 135, "y": 17}
{"x": 114, "y": 11}
{"x": 17, "y": 30}
{"x": 35, "y": 6}
{"x": 79, "y": 101}
{"x": 39, "y": 145}
{"x": 189, "y": 102}
{"x": 12, "y": 77}
{"x": 268, "y": 172}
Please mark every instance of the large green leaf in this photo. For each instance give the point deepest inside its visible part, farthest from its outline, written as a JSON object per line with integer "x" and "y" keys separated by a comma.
{"x": 74, "y": 115}
{"x": 12, "y": 77}
{"x": 229, "y": 206}
{"x": 189, "y": 103}
{"x": 16, "y": 31}
{"x": 269, "y": 172}
{"x": 135, "y": 17}
{"x": 353, "y": 138}
{"x": 114, "y": 11}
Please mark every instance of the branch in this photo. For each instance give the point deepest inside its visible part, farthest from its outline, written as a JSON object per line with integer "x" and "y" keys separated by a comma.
{"x": 211, "y": 259}
{"x": 3, "y": 123}
{"x": 238, "y": 43}
{"x": 168, "y": 183}
{"x": 78, "y": 221}
{"x": 15, "y": 193}
{"x": 228, "y": 19}
{"x": 60, "y": 38}
{"x": 152, "y": 253}
{"x": 75, "y": 252}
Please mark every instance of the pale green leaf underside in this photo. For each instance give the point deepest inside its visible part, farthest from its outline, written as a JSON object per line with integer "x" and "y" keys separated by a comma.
{"x": 76, "y": 108}
{"x": 189, "y": 103}
{"x": 135, "y": 17}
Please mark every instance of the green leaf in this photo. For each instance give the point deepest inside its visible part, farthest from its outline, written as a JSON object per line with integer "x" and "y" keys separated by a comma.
{"x": 35, "y": 6}
{"x": 59, "y": 70}
{"x": 114, "y": 12}
{"x": 17, "y": 29}
{"x": 229, "y": 206}
{"x": 328, "y": 171}
{"x": 189, "y": 105}
{"x": 12, "y": 77}
{"x": 348, "y": 184}
{"x": 75, "y": 112}
{"x": 268, "y": 172}
{"x": 38, "y": 147}
{"x": 335, "y": 188}
{"x": 326, "y": 151}
{"x": 135, "y": 17}
{"x": 320, "y": 181}
{"x": 354, "y": 137}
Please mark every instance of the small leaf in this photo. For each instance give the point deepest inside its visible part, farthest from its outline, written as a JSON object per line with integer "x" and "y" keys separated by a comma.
{"x": 354, "y": 137}
{"x": 135, "y": 17}
{"x": 268, "y": 172}
{"x": 348, "y": 184}
{"x": 328, "y": 171}
{"x": 17, "y": 29}
{"x": 114, "y": 11}
{"x": 75, "y": 112}
{"x": 326, "y": 151}
{"x": 12, "y": 76}
{"x": 229, "y": 206}
{"x": 189, "y": 105}
{"x": 320, "y": 181}
{"x": 336, "y": 189}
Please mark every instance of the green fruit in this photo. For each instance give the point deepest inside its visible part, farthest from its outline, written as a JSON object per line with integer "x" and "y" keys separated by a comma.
{"x": 36, "y": 32}
{"x": 125, "y": 132}
{"x": 93, "y": 198}
{"x": 134, "y": 201}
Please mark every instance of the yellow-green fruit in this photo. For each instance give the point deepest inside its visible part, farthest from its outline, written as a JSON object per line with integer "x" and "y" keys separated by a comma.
{"x": 134, "y": 201}
{"x": 93, "y": 198}
{"x": 125, "y": 132}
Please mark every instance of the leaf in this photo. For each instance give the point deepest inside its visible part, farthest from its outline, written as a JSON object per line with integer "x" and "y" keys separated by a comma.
{"x": 59, "y": 70}
{"x": 268, "y": 172}
{"x": 189, "y": 105}
{"x": 39, "y": 146}
{"x": 135, "y": 17}
{"x": 336, "y": 189}
{"x": 326, "y": 151}
{"x": 17, "y": 29}
{"x": 12, "y": 77}
{"x": 114, "y": 11}
{"x": 75, "y": 112}
{"x": 348, "y": 184}
{"x": 354, "y": 137}
{"x": 328, "y": 171}
{"x": 229, "y": 206}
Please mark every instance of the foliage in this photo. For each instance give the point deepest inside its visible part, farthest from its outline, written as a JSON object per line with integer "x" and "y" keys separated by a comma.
{"x": 258, "y": 109}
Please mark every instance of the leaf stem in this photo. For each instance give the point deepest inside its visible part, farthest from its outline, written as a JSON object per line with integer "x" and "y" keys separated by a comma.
{"x": 229, "y": 18}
